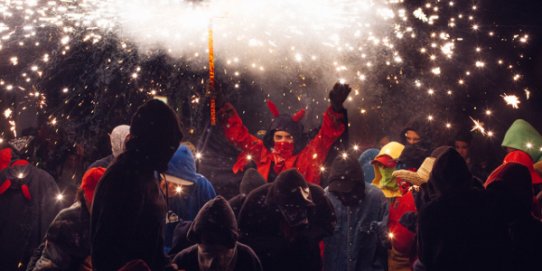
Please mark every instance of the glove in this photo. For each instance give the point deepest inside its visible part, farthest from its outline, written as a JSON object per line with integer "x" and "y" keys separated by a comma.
{"x": 338, "y": 95}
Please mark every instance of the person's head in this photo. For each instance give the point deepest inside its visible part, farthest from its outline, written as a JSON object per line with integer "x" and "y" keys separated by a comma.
{"x": 412, "y": 137}
{"x": 524, "y": 137}
{"x": 251, "y": 180}
{"x": 215, "y": 232}
{"x": 285, "y": 133}
{"x": 155, "y": 134}
{"x": 450, "y": 173}
{"x": 462, "y": 142}
{"x": 462, "y": 147}
{"x": 384, "y": 164}
{"x": 117, "y": 138}
{"x": 291, "y": 195}
{"x": 346, "y": 180}
{"x": 89, "y": 182}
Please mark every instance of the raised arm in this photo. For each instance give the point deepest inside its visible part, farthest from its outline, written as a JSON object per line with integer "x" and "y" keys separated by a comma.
{"x": 251, "y": 147}
{"x": 333, "y": 126}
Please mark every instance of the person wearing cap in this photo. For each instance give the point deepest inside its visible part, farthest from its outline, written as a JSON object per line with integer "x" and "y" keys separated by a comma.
{"x": 250, "y": 181}
{"x": 215, "y": 233}
{"x": 28, "y": 203}
{"x": 187, "y": 190}
{"x": 129, "y": 208}
{"x": 384, "y": 164}
{"x": 282, "y": 147}
{"x": 117, "y": 138}
{"x": 66, "y": 245}
{"x": 284, "y": 222}
{"x": 359, "y": 241}
{"x": 510, "y": 188}
{"x": 456, "y": 228}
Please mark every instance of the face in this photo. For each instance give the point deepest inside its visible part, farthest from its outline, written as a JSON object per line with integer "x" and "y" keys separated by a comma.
{"x": 462, "y": 148}
{"x": 412, "y": 137}
{"x": 214, "y": 257}
{"x": 283, "y": 136}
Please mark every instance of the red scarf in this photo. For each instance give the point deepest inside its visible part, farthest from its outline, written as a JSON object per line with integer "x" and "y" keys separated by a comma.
{"x": 282, "y": 151}
{"x": 5, "y": 159}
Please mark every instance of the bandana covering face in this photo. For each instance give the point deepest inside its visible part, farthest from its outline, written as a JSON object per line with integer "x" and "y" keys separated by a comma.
{"x": 281, "y": 152}
{"x": 387, "y": 181}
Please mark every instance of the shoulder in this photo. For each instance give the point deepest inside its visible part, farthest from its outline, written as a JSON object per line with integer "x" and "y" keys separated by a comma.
{"x": 187, "y": 258}
{"x": 373, "y": 192}
{"x": 246, "y": 254}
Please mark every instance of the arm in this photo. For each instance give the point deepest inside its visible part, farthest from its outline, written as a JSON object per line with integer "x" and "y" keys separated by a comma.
{"x": 237, "y": 134}
{"x": 333, "y": 127}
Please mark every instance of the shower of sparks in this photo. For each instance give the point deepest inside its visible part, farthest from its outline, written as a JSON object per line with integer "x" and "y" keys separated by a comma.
{"x": 511, "y": 100}
{"x": 280, "y": 42}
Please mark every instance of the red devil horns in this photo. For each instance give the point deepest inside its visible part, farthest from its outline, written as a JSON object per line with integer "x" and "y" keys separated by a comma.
{"x": 299, "y": 115}
{"x": 273, "y": 108}
{"x": 275, "y": 111}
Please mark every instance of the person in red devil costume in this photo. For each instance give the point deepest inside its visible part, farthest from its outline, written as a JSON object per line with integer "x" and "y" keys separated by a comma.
{"x": 280, "y": 148}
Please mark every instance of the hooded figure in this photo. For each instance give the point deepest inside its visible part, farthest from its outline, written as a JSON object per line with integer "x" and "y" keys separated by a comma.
{"x": 511, "y": 193}
{"x": 284, "y": 222}
{"x": 195, "y": 190}
{"x": 359, "y": 240}
{"x": 383, "y": 165}
{"x": 187, "y": 191}
{"x": 251, "y": 180}
{"x": 215, "y": 233}
{"x": 129, "y": 209}
{"x": 67, "y": 243}
{"x": 28, "y": 204}
{"x": 281, "y": 148}
{"x": 456, "y": 230}
{"x": 524, "y": 137}
{"x": 117, "y": 138}
{"x": 365, "y": 160}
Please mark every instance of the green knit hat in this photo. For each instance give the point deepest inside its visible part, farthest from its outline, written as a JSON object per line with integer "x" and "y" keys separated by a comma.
{"x": 524, "y": 137}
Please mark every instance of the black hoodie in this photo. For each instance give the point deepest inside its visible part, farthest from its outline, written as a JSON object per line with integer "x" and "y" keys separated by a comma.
{"x": 216, "y": 220}
{"x": 251, "y": 180}
{"x": 456, "y": 229}
{"x": 279, "y": 246}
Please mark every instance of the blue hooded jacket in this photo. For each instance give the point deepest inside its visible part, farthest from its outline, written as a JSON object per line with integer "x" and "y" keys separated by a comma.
{"x": 187, "y": 204}
{"x": 365, "y": 160}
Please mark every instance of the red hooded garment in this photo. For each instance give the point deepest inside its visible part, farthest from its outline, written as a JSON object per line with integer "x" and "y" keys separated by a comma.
{"x": 519, "y": 157}
{"x": 308, "y": 161}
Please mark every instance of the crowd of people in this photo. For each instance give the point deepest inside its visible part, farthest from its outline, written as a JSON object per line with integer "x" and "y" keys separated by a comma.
{"x": 405, "y": 205}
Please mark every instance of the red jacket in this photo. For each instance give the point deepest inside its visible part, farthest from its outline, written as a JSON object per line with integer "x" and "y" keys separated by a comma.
{"x": 308, "y": 161}
{"x": 403, "y": 241}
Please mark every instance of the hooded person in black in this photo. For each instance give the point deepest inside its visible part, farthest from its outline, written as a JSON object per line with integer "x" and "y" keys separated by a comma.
{"x": 284, "y": 222}
{"x": 251, "y": 180}
{"x": 511, "y": 195}
{"x": 129, "y": 210}
{"x": 215, "y": 233}
{"x": 28, "y": 203}
{"x": 456, "y": 230}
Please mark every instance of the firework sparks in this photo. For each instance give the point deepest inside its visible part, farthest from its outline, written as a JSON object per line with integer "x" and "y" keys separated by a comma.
{"x": 478, "y": 126}
{"x": 511, "y": 100}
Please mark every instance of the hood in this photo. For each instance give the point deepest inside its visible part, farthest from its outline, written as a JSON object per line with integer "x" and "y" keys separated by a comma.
{"x": 519, "y": 135}
{"x": 155, "y": 134}
{"x": 365, "y": 160}
{"x": 182, "y": 165}
{"x": 450, "y": 173}
{"x": 388, "y": 155}
{"x": 90, "y": 181}
{"x": 511, "y": 189}
{"x": 285, "y": 123}
{"x": 252, "y": 179}
{"x": 117, "y": 139}
{"x": 345, "y": 174}
{"x": 517, "y": 157}
{"x": 216, "y": 222}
